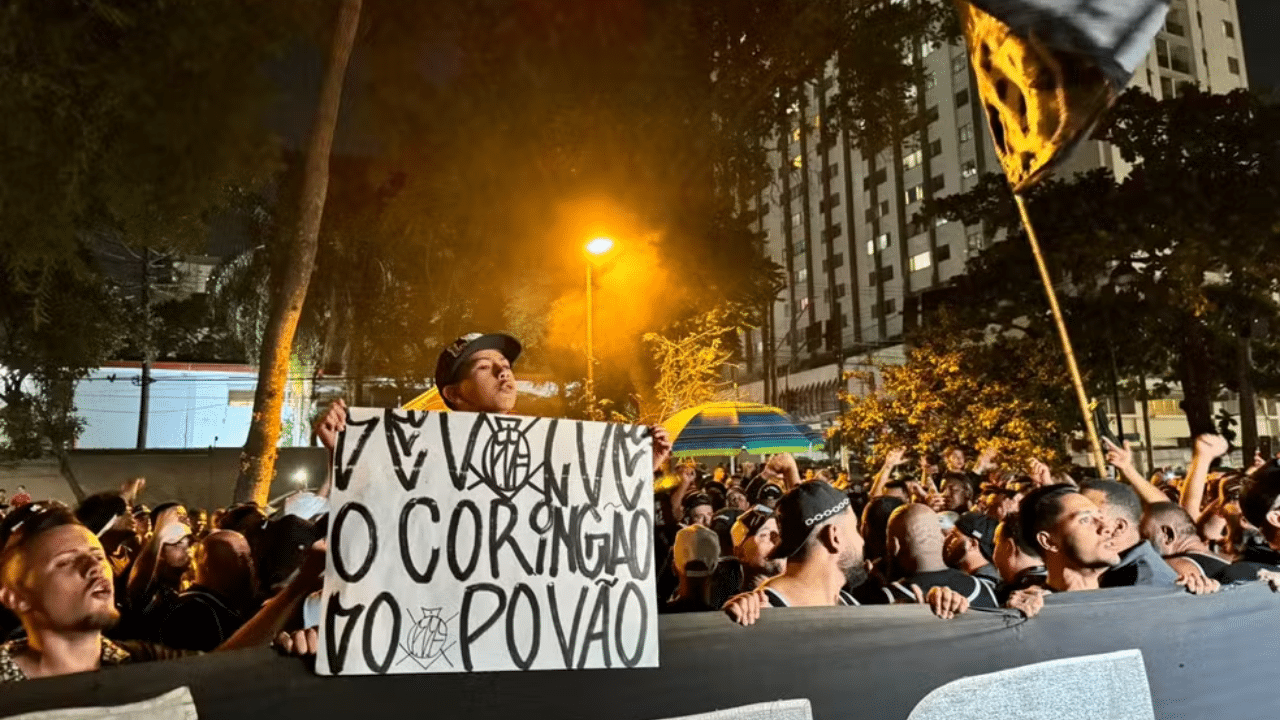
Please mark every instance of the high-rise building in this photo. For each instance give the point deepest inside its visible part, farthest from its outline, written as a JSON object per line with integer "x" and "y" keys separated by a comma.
{"x": 842, "y": 223}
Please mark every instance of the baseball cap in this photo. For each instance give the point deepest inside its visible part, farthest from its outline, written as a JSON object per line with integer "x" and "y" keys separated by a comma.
{"x": 761, "y": 489}
{"x": 696, "y": 551}
{"x": 801, "y": 511}
{"x": 749, "y": 523}
{"x": 980, "y": 527}
{"x": 693, "y": 500}
{"x": 455, "y": 356}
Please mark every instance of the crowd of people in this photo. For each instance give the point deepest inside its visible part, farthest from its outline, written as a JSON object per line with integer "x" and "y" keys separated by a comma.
{"x": 114, "y": 581}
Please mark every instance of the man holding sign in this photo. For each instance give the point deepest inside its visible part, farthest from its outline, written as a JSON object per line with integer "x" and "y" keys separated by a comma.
{"x": 479, "y": 540}
{"x": 474, "y": 374}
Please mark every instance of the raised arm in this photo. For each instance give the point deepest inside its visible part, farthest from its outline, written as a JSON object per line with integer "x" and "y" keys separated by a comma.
{"x": 263, "y": 627}
{"x": 1121, "y": 458}
{"x": 891, "y": 461}
{"x": 1206, "y": 448}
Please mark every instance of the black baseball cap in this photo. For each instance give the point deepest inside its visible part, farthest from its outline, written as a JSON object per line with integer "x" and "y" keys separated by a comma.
{"x": 762, "y": 489}
{"x": 981, "y": 528}
{"x": 453, "y": 358}
{"x": 801, "y": 510}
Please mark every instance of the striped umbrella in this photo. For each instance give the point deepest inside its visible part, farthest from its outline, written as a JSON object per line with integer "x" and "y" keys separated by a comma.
{"x": 727, "y": 428}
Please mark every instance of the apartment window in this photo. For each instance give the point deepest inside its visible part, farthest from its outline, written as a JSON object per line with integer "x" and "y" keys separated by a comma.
{"x": 885, "y": 309}
{"x": 840, "y": 290}
{"x": 930, "y": 82}
{"x": 938, "y": 183}
{"x": 912, "y": 160}
{"x": 1233, "y": 66}
{"x": 1228, "y": 29}
{"x": 957, "y": 63}
{"x": 832, "y": 170}
{"x": 884, "y": 208}
{"x": 833, "y": 232}
{"x": 962, "y": 98}
{"x": 795, "y": 220}
{"x": 795, "y": 135}
{"x": 968, "y": 169}
{"x": 797, "y": 190}
{"x": 876, "y": 178}
{"x": 1162, "y": 53}
{"x": 832, "y": 201}
{"x": 931, "y": 114}
{"x": 870, "y": 215}
{"x": 935, "y": 148}
{"x": 802, "y": 276}
{"x": 835, "y": 262}
{"x": 882, "y": 240}
{"x": 940, "y": 221}
{"x": 921, "y": 261}
{"x": 966, "y": 133}
{"x": 943, "y": 253}
{"x": 799, "y": 247}
{"x": 914, "y": 194}
{"x": 1166, "y": 87}
{"x": 797, "y": 161}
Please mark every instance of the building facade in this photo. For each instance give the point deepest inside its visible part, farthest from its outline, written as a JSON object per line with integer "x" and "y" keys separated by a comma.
{"x": 842, "y": 222}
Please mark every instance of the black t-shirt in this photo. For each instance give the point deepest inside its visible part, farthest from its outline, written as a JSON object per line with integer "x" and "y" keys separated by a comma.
{"x": 199, "y": 619}
{"x": 1210, "y": 565}
{"x": 1036, "y": 576}
{"x": 1241, "y": 571}
{"x": 979, "y": 593}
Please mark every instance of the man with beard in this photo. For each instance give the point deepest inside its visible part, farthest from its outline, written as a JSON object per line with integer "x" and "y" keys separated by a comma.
{"x": 823, "y": 551}
{"x": 56, "y": 578}
{"x": 915, "y": 555}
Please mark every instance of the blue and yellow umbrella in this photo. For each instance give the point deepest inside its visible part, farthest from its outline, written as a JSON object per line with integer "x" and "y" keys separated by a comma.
{"x": 727, "y": 428}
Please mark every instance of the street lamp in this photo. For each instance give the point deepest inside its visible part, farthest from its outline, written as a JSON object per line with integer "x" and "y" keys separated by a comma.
{"x": 597, "y": 247}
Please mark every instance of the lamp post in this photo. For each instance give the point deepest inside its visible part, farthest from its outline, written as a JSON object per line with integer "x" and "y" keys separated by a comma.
{"x": 597, "y": 247}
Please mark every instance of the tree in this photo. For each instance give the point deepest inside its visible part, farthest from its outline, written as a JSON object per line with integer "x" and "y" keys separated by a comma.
{"x": 41, "y": 359}
{"x": 690, "y": 360}
{"x": 969, "y": 388}
{"x": 1163, "y": 272}
{"x": 290, "y": 280}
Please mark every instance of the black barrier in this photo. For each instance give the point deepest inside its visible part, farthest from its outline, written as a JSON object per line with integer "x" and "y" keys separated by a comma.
{"x": 1206, "y": 657}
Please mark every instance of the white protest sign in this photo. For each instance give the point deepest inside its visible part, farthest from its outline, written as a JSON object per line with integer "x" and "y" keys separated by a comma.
{"x": 461, "y": 542}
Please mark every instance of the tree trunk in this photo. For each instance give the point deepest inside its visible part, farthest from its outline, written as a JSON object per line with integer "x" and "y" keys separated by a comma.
{"x": 144, "y": 397}
{"x": 1196, "y": 375}
{"x": 1248, "y": 402}
{"x": 258, "y": 458}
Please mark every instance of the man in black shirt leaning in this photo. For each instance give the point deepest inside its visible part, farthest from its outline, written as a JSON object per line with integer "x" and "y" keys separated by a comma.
{"x": 1260, "y": 505}
{"x": 969, "y": 546}
{"x": 915, "y": 555}
{"x": 1020, "y": 564}
{"x": 823, "y": 551}
{"x": 55, "y": 577}
{"x": 1140, "y": 563}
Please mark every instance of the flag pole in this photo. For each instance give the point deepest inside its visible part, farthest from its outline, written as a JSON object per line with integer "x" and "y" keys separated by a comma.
{"x": 1094, "y": 444}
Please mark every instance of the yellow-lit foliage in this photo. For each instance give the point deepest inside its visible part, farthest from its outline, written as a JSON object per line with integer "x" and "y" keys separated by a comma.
{"x": 690, "y": 362}
{"x": 954, "y": 389}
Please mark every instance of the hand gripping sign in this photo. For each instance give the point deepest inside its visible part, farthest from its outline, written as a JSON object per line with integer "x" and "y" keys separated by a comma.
{"x": 461, "y": 542}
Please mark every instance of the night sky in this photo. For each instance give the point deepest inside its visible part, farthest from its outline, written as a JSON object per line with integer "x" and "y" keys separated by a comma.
{"x": 1259, "y": 23}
